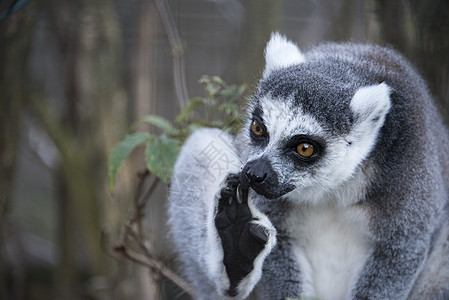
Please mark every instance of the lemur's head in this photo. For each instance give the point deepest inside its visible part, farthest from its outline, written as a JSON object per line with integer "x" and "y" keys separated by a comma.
{"x": 311, "y": 123}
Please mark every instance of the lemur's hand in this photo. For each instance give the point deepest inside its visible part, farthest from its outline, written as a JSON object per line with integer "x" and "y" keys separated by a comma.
{"x": 243, "y": 236}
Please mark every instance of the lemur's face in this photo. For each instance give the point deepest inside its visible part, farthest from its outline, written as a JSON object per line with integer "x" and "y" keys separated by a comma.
{"x": 308, "y": 132}
{"x": 294, "y": 152}
{"x": 287, "y": 146}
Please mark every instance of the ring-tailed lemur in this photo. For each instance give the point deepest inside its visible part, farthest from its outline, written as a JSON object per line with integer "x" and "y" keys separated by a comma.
{"x": 337, "y": 187}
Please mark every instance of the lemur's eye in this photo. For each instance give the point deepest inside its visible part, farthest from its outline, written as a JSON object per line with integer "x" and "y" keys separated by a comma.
{"x": 306, "y": 150}
{"x": 256, "y": 127}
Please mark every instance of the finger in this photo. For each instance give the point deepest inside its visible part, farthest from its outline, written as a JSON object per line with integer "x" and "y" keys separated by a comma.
{"x": 249, "y": 245}
{"x": 233, "y": 180}
{"x": 223, "y": 201}
{"x": 258, "y": 233}
{"x": 231, "y": 209}
{"x": 243, "y": 213}
{"x": 222, "y": 221}
{"x": 244, "y": 181}
{"x": 243, "y": 194}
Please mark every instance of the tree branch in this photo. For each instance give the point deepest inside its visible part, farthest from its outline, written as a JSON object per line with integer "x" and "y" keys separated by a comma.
{"x": 154, "y": 265}
{"x": 142, "y": 255}
{"x": 177, "y": 51}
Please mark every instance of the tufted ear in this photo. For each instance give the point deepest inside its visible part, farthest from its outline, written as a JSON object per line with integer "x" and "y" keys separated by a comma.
{"x": 371, "y": 103}
{"x": 281, "y": 53}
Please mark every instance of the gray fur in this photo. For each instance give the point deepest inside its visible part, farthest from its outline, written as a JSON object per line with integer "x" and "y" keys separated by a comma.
{"x": 400, "y": 186}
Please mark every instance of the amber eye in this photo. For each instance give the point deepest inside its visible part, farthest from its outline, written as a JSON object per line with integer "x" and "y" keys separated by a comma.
{"x": 305, "y": 150}
{"x": 256, "y": 127}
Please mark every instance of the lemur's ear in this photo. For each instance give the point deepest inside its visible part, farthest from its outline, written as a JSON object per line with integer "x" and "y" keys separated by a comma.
{"x": 281, "y": 53}
{"x": 371, "y": 103}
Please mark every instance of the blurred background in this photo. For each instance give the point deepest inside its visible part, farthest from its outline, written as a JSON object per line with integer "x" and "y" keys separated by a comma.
{"x": 74, "y": 75}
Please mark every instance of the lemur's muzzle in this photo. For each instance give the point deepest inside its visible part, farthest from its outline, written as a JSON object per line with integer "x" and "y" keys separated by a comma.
{"x": 260, "y": 176}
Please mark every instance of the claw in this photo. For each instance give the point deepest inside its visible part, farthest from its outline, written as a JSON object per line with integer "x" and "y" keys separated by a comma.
{"x": 239, "y": 196}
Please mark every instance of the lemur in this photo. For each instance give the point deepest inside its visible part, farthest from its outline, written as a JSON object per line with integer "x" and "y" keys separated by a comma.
{"x": 337, "y": 186}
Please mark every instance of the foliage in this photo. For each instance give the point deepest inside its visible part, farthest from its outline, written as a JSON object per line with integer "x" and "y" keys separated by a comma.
{"x": 160, "y": 155}
{"x": 121, "y": 151}
{"x": 221, "y": 107}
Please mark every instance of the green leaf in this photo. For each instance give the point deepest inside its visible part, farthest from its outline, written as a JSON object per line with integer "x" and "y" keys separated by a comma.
{"x": 160, "y": 122}
{"x": 241, "y": 89}
{"x": 212, "y": 89}
{"x": 211, "y": 104}
{"x": 217, "y": 124}
{"x": 194, "y": 126}
{"x": 204, "y": 79}
{"x": 229, "y": 108}
{"x": 218, "y": 80}
{"x": 120, "y": 152}
{"x": 160, "y": 155}
{"x": 229, "y": 92}
{"x": 187, "y": 110}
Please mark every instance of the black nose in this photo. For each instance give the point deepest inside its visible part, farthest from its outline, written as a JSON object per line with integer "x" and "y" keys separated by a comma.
{"x": 259, "y": 175}
{"x": 256, "y": 174}
{"x": 263, "y": 179}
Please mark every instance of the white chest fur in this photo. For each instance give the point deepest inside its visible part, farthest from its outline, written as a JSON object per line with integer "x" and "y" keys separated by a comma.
{"x": 331, "y": 248}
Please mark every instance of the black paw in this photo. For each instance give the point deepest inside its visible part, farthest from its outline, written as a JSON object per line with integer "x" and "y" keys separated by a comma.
{"x": 242, "y": 240}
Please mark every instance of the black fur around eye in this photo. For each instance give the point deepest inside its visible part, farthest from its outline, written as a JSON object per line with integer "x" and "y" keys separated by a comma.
{"x": 259, "y": 133}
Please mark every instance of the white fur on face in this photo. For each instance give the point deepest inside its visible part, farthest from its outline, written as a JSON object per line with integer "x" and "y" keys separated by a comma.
{"x": 281, "y": 53}
{"x": 343, "y": 154}
{"x": 283, "y": 120}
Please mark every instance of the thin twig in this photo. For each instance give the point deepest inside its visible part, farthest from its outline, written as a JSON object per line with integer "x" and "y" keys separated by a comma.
{"x": 155, "y": 265}
{"x": 139, "y": 242}
{"x": 139, "y": 205}
{"x": 141, "y": 202}
{"x": 143, "y": 256}
{"x": 177, "y": 51}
